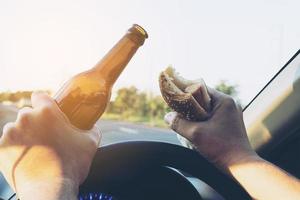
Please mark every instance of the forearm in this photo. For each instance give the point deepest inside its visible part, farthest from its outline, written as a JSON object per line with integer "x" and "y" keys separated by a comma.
{"x": 263, "y": 180}
{"x": 53, "y": 190}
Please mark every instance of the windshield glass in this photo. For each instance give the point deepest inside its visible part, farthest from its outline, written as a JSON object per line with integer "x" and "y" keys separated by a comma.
{"x": 234, "y": 46}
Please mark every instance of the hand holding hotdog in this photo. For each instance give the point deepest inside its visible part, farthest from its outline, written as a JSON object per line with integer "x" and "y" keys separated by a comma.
{"x": 209, "y": 119}
{"x": 222, "y": 138}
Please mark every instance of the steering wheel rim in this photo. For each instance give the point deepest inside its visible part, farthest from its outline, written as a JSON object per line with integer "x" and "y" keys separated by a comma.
{"x": 142, "y": 155}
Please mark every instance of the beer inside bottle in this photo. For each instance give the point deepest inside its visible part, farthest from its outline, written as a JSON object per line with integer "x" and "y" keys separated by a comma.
{"x": 85, "y": 96}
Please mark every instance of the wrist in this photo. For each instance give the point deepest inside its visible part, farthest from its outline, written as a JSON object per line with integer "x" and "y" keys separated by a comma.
{"x": 237, "y": 157}
{"x": 50, "y": 189}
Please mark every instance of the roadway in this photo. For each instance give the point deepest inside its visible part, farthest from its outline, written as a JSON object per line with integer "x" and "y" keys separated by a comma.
{"x": 117, "y": 131}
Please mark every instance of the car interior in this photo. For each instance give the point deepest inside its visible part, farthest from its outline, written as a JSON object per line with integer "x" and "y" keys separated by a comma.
{"x": 158, "y": 170}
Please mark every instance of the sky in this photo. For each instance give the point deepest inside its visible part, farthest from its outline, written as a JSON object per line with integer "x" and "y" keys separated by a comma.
{"x": 44, "y": 43}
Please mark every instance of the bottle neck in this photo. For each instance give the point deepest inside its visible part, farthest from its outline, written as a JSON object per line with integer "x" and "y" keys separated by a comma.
{"x": 114, "y": 62}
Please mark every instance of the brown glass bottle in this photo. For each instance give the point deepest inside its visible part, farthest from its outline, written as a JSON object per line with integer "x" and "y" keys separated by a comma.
{"x": 85, "y": 96}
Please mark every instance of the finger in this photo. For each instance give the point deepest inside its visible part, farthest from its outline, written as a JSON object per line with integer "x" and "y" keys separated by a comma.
{"x": 215, "y": 94}
{"x": 41, "y": 99}
{"x": 95, "y": 135}
{"x": 23, "y": 116}
{"x": 185, "y": 128}
{"x": 216, "y": 98}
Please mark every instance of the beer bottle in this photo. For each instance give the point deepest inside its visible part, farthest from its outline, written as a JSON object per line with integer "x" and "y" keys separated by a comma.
{"x": 84, "y": 97}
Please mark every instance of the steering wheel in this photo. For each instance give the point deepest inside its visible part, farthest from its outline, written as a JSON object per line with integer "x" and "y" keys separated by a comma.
{"x": 144, "y": 170}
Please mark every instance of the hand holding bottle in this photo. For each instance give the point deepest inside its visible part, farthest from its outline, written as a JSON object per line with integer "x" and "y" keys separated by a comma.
{"x": 42, "y": 154}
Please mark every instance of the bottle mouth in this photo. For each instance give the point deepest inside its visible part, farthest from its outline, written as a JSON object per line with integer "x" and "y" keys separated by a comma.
{"x": 137, "y": 34}
{"x": 141, "y": 30}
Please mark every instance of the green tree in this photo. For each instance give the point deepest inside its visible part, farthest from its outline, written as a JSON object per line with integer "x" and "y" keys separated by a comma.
{"x": 126, "y": 101}
{"x": 16, "y": 96}
{"x": 157, "y": 107}
{"x": 141, "y": 107}
{"x": 225, "y": 87}
{"x": 231, "y": 90}
{"x": 129, "y": 102}
{"x": 4, "y": 96}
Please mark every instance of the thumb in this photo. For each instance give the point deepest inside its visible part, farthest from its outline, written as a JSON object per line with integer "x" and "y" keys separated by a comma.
{"x": 42, "y": 101}
{"x": 188, "y": 129}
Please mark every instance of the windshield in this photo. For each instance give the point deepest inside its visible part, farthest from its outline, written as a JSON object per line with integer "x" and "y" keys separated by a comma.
{"x": 234, "y": 46}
